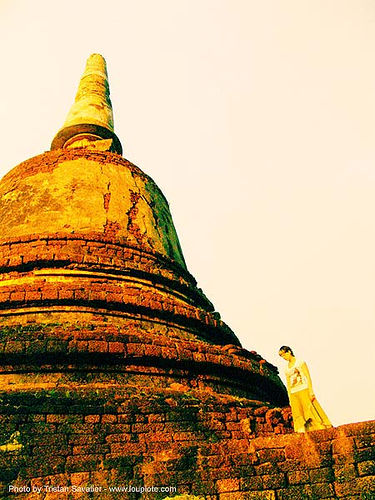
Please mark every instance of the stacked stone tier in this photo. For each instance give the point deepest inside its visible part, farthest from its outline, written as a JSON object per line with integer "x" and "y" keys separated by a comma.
{"x": 67, "y": 341}
{"x": 95, "y": 274}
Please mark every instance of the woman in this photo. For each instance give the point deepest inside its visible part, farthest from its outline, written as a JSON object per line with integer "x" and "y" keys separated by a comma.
{"x": 307, "y": 413}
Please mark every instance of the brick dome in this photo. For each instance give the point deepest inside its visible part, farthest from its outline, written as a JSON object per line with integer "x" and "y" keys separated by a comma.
{"x": 88, "y": 238}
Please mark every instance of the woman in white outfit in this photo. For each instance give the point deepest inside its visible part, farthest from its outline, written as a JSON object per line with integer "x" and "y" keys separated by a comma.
{"x": 307, "y": 413}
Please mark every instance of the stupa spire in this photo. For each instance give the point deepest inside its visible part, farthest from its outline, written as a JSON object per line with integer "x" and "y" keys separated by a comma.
{"x": 91, "y": 117}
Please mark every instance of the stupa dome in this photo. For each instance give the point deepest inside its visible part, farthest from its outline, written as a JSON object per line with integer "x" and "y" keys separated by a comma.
{"x": 102, "y": 327}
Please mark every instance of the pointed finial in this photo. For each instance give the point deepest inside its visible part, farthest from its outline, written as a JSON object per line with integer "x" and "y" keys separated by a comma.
{"x": 90, "y": 118}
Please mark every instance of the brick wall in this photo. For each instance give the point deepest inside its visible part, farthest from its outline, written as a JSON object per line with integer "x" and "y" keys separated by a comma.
{"x": 105, "y": 433}
{"x": 211, "y": 446}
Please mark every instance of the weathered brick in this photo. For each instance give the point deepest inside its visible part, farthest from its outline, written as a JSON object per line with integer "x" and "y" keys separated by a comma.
{"x": 14, "y": 346}
{"x": 156, "y": 418}
{"x": 298, "y": 477}
{"x": 124, "y": 418}
{"x": 118, "y": 438}
{"x": 116, "y": 347}
{"x": 18, "y": 296}
{"x": 322, "y": 475}
{"x": 82, "y": 439}
{"x": 64, "y": 294}
{"x": 135, "y": 349}
{"x": 97, "y": 346}
{"x": 117, "y": 428}
{"x": 251, "y": 483}
{"x": 266, "y": 468}
{"x": 298, "y": 492}
{"x": 364, "y": 454}
{"x": 366, "y": 468}
{"x": 83, "y": 463}
{"x": 226, "y": 485}
{"x": 37, "y": 418}
{"x": 91, "y": 449}
{"x": 273, "y": 455}
{"x": 91, "y": 419}
{"x": 147, "y": 427}
{"x": 187, "y": 436}
{"x": 344, "y": 472}
{"x": 367, "y": 487}
{"x": 106, "y": 418}
{"x": 294, "y": 451}
{"x": 233, "y": 426}
{"x": 223, "y": 472}
{"x": 80, "y": 478}
{"x": 364, "y": 441}
{"x": 50, "y": 293}
{"x": 347, "y": 488}
{"x": 343, "y": 445}
{"x": 33, "y": 295}
{"x": 259, "y": 495}
{"x": 273, "y": 481}
{"x": 72, "y": 419}
{"x": 128, "y": 448}
{"x": 322, "y": 490}
{"x": 232, "y": 496}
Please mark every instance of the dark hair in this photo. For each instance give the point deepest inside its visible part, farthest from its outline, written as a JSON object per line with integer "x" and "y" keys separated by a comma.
{"x": 285, "y": 348}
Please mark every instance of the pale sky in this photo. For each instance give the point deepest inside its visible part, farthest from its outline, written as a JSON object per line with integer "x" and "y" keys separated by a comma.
{"x": 257, "y": 121}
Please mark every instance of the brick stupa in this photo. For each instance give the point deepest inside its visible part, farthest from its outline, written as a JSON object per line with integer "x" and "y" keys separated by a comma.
{"x": 115, "y": 368}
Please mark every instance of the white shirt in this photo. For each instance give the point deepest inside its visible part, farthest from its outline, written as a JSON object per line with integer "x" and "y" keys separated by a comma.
{"x": 297, "y": 380}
